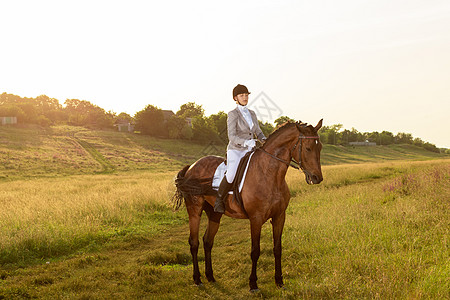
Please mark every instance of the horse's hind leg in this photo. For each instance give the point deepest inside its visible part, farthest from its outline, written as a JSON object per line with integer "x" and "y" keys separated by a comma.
{"x": 208, "y": 238}
{"x": 195, "y": 212}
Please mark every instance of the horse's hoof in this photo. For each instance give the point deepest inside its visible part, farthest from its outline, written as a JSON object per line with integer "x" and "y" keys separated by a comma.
{"x": 198, "y": 282}
{"x": 254, "y": 291}
{"x": 211, "y": 279}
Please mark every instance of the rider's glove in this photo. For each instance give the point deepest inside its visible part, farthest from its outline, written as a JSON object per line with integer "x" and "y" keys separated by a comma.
{"x": 250, "y": 144}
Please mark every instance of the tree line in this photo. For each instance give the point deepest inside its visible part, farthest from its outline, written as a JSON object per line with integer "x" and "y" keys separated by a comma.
{"x": 189, "y": 122}
{"x": 46, "y": 111}
{"x": 336, "y": 135}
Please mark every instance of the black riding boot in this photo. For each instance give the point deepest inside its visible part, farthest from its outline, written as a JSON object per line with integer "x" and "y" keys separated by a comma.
{"x": 224, "y": 187}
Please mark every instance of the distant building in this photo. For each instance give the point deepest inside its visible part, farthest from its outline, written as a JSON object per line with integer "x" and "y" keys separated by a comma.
{"x": 125, "y": 127}
{"x": 189, "y": 122}
{"x": 167, "y": 115}
{"x": 8, "y": 120}
{"x": 366, "y": 143}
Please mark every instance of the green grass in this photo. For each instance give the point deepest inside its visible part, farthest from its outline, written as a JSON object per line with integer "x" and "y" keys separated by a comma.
{"x": 368, "y": 231}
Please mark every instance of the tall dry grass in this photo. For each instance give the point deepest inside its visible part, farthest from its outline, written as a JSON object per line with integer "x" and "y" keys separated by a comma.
{"x": 368, "y": 231}
{"x": 49, "y": 217}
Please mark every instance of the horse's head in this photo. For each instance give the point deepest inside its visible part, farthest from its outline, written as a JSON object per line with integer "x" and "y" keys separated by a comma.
{"x": 307, "y": 152}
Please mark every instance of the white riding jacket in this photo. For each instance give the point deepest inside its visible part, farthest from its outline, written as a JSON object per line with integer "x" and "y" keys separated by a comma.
{"x": 242, "y": 126}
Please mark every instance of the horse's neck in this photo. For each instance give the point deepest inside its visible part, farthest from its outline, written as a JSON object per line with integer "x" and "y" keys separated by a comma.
{"x": 280, "y": 148}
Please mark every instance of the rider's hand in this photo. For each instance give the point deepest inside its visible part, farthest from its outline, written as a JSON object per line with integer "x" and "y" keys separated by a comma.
{"x": 250, "y": 144}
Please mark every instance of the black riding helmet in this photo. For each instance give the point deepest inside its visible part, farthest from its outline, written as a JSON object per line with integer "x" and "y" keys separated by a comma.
{"x": 240, "y": 89}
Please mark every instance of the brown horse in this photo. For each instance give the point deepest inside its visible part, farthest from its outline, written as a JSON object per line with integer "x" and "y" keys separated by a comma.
{"x": 265, "y": 194}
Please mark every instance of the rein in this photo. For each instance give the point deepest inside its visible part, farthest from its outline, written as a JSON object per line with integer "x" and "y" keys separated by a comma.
{"x": 293, "y": 163}
{"x": 288, "y": 163}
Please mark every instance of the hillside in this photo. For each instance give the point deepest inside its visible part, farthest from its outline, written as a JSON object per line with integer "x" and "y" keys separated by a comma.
{"x": 68, "y": 150}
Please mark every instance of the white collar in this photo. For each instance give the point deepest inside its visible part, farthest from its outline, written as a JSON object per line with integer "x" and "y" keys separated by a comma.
{"x": 242, "y": 108}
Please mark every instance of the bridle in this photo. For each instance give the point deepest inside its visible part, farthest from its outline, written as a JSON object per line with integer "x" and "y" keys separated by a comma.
{"x": 293, "y": 163}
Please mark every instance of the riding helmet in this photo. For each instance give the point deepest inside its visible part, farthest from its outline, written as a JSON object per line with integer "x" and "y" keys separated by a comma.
{"x": 240, "y": 89}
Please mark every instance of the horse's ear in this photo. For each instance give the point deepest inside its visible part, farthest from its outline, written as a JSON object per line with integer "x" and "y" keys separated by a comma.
{"x": 319, "y": 125}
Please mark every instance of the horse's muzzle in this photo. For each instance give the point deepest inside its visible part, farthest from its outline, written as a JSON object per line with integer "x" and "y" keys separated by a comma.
{"x": 313, "y": 179}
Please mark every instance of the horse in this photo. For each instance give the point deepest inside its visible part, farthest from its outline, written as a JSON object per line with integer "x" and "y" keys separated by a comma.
{"x": 265, "y": 194}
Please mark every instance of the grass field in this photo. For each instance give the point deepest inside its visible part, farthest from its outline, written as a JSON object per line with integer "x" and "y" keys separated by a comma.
{"x": 369, "y": 230}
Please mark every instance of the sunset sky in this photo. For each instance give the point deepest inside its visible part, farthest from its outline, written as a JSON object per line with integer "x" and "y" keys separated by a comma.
{"x": 372, "y": 65}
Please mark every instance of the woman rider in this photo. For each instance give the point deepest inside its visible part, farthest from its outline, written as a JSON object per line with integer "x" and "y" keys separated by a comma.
{"x": 242, "y": 125}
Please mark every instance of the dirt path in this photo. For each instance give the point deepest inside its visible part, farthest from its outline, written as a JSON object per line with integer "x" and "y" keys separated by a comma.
{"x": 107, "y": 167}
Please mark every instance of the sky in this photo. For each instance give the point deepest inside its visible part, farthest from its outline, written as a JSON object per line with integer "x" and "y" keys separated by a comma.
{"x": 369, "y": 65}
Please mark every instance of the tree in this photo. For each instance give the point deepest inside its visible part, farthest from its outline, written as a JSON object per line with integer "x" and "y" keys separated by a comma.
{"x": 219, "y": 123}
{"x": 77, "y": 111}
{"x": 41, "y": 110}
{"x": 30, "y": 111}
{"x": 203, "y": 130}
{"x": 386, "y": 138}
{"x": 331, "y": 134}
{"x": 150, "y": 121}
{"x": 418, "y": 142}
{"x": 403, "y": 138}
{"x": 373, "y": 137}
{"x": 84, "y": 113}
{"x": 266, "y": 128}
{"x": 11, "y": 110}
{"x": 283, "y": 119}
{"x": 9, "y": 99}
{"x": 124, "y": 118}
{"x": 46, "y": 103}
{"x": 178, "y": 128}
{"x": 431, "y": 147}
{"x": 191, "y": 110}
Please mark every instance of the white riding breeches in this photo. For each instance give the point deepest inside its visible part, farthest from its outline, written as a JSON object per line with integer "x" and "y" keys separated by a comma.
{"x": 233, "y": 159}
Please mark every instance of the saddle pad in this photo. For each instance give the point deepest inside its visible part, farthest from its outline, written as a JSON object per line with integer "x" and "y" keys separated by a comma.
{"x": 220, "y": 173}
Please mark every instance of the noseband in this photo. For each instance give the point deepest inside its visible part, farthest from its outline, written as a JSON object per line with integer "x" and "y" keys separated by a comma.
{"x": 293, "y": 163}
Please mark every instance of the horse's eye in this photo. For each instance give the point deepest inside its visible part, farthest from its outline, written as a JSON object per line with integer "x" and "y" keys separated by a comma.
{"x": 308, "y": 149}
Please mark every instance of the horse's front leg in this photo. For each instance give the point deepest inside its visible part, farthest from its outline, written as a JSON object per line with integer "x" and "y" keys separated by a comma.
{"x": 195, "y": 212}
{"x": 208, "y": 239}
{"x": 255, "y": 227}
{"x": 277, "y": 227}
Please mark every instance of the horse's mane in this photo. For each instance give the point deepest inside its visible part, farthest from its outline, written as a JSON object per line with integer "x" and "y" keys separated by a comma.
{"x": 284, "y": 127}
{"x": 279, "y": 130}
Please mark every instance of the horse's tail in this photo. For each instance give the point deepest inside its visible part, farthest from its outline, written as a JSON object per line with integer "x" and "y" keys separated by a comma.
{"x": 179, "y": 196}
{"x": 187, "y": 187}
